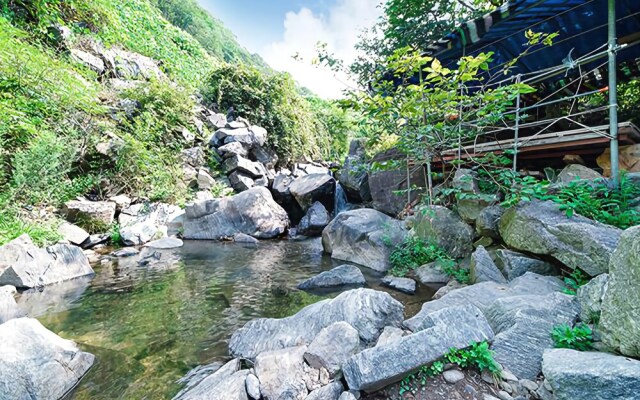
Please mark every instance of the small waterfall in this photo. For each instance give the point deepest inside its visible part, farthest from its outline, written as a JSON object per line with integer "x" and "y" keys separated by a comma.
{"x": 340, "y": 201}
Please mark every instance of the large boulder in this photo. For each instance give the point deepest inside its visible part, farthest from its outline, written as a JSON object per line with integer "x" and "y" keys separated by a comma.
{"x": 315, "y": 187}
{"x": 541, "y": 228}
{"x": 591, "y": 296}
{"x": 577, "y": 375}
{"x": 344, "y": 275}
{"x": 577, "y": 172}
{"x": 90, "y": 212}
{"x": 514, "y": 264}
{"x": 333, "y": 346}
{"x": 443, "y": 227}
{"x": 620, "y": 319}
{"x": 245, "y": 166}
{"x": 142, "y": 223}
{"x": 73, "y": 234}
{"x": 241, "y": 182}
{"x": 24, "y": 265}
{"x": 377, "y": 367}
{"x": 252, "y": 212}
{"x": 282, "y": 373}
{"x": 314, "y": 221}
{"x": 8, "y": 306}
{"x": 483, "y": 269}
{"x": 226, "y": 383}
{"x": 35, "y": 363}
{"x": 354, "y": 176}
{"x": 368, "y": 311}
{"x": 488, "y": 220}
{"x": 364, "y": 237}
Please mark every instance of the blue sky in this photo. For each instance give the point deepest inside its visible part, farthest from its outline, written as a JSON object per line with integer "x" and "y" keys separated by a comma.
{"x": 278, "y": 29}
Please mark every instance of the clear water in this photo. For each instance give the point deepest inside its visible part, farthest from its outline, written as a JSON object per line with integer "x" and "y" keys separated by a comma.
{"x": 148, "y": 326}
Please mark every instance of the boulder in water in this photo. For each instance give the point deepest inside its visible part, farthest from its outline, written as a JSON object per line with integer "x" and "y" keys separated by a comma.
{"x": 344, "y": 275}
{"x": 314, "y": 221}
{"x": 309, "y": 189}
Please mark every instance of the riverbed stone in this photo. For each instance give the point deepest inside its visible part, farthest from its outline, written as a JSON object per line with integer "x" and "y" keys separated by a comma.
{"x": 431, "y": 273}
{"x": 332, "y": 347}
{"x": 314, "y": 187}
{"x": 253, "y": 387}
{"x": 390, "y": 334}
{"x": 165, "y": 243}
{"x": 483, "y": 269}
{"x": 589, "y": 375}
{"x": 404, "y": 285}
{"x": 125, "y": 252}
{"x": 35, "y": 363}
{"x": 281, "y": 373}
{"x": 24, "y": 265}
{"x": 514, "y": 264}
{"x": 73, "y": 233}
{"x": 252, "y": 212}
{"x": 591, "y": 296}
{"x": 314, "y": 221}
{"x": 541, "y": 228}
{"x": 443, "y": 227}
{"x": 331, "y": 391}
{"x": 620, "y": 319}
{"x": 245, "y": 239}
{"x": 368, "y": 311}
{"x": 142, "y": 223}
{"x": 377, "y": 367}
{"x": 488, "y": 221}
{"x": 344, "y": 275}
{"x": 90, "y": 212}
{"x": 8, "y": 306}
{"x": 217, "y": 384}
{"x": 364, "y": 236}
{"x": 453, "y": 376}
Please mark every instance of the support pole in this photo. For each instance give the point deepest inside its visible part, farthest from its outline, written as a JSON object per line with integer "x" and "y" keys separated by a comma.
{"x": 516, "y": 129}
{"x": 613, "y": 95}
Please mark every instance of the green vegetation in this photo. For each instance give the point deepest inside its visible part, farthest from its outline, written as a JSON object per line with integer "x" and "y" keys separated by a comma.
{"x": 574, "y": 281}
{"x": 580, "y": 337}
{"x": 477, "y": 355}
{"x": 414, "y": 252}
{"x": 297, "y": 126}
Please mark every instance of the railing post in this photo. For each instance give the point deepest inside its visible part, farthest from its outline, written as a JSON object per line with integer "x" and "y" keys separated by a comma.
{"x": 613, "y": 95}
{"x": 516, "y": 128}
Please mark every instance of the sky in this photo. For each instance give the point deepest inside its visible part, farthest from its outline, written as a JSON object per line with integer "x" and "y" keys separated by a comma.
{"x": 279, "y": 29}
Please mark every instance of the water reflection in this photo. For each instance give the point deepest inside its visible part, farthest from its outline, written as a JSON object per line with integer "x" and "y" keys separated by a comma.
{"x": 150, "y": 323}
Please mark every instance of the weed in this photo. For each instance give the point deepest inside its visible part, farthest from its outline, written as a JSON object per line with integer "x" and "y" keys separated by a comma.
{"x": 114, "y": 234}
{"x": 579, "y": 337}
{"x": 414, "y": 252}
{"x": 576, "y": 279}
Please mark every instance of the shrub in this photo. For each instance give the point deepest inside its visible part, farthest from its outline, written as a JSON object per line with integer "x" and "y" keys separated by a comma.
{"x": 579, "y": 337}
{"x": 414, "y": 252}
{"x": 573, "y": 282}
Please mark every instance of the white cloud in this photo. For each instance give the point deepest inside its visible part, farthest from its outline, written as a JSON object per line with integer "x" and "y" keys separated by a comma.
{"x": 339, "y": 28}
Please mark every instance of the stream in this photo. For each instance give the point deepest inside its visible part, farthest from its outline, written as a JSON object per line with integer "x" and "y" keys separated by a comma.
{"x": 148, "y": 326}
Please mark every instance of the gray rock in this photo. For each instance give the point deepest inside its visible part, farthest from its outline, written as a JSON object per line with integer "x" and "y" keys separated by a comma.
{"x": 309, "y": 189}
{"x": 380, "y": 366}
{"x": 364, "y": 237}
{"x": 216, "y": 121}
{"x": 35, "y": 363}
{"x": 125, "y": 252}
{"x": 8, "y": 306}
{"x": 101, "y": 212}
{"x": 233, "y": 149}
{"x": 404, "y": 285}
{"x": 122, "y": 202}
{"x": 446, "y": 289}
{"x": 193, "y": 157}
{"x": 354, "y": 177}
{"x": 240, "y": 182}
{"x": 211, "y": 385}
{"x": 314, "y": 221}
{"x": 246, "y": 239}
{"x": 252, "y": 212}
{"x": 591, "y": 296}
{"x": 488, "y": 221}
{"x": 589, "y": 375}
{"x": 453, "y": 376}
{"x": 266, "y": 157}
{"x": 368, "y": 311}
{"x": 514, "y": 264}
{"x": 281, "y": 373}
{"x": 529, "y": 385}
{"x": 165, "y": 243}
{"x": 431, "y": 273}
{"x": 142, "y": 223}
{"x": 253, "y": 387}
{"x": 24, "y": 265}
{"x": 332, "y": 347}
{"x": 483, "y": 268}
{"x": 94, "y": 63}
{"x": 347, "y": 396}
{"x": 620, "y": 319}
{"x": 73, "y": 234}
{"x": 578, "y": 242}
{"x": 523, "y": 325}
{"x": 205, "y": 181}
{"x": 245, "y": 166}
{"x": 131, "y": 66}
{"x": 577, "y": 172}
{"x": 344, "y": 275}
{"x": 390, "y": 334}
{"x": 331, "y": 391}
{"x": 439, "y": 225}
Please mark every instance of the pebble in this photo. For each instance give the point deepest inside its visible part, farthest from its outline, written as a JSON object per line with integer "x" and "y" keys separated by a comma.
{"x": 506, "y": 387}
{"x": 504, "y": 395}
{"x": 324, "y": 376}
{"x": 487, "y": 377}
{"x": 453, "y": 376}
{"x": 508, "y": 376}
{"x": 529, "y": 385}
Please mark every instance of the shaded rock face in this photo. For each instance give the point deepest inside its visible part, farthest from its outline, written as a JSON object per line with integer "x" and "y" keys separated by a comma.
{"x": 101, "y": 212}
{"x": 226, "y": 383}
{"x": 578, "y": 242}
{"x": 24, "y": 265}
{"x": 591, "y": 296}
{"x": 354, "y": 177}
{"x": 578, "y": 172}
{"x": 368, "y": 311}
{"x": 488, "y": 221}
{"x": 590, "y": 375}
{"x": 314, "y": 221}
{"x": 313, "y": 188}
{"x": 8, "y": 306}
{"x": 620, "y": 319}
{"x": 252, "y": 212}
{"x": 380, "y": 366}
{"x": 483, "y": 269}
{"x": 364, "y": 237}
{"x": 344, "y": 275}
{"x": 47, "y": 365}
{"x": 514, "y": 264}
{"x": 470, "y": 205}
{"x": 332, "y": 347}
{"x": 439, "y": 225}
